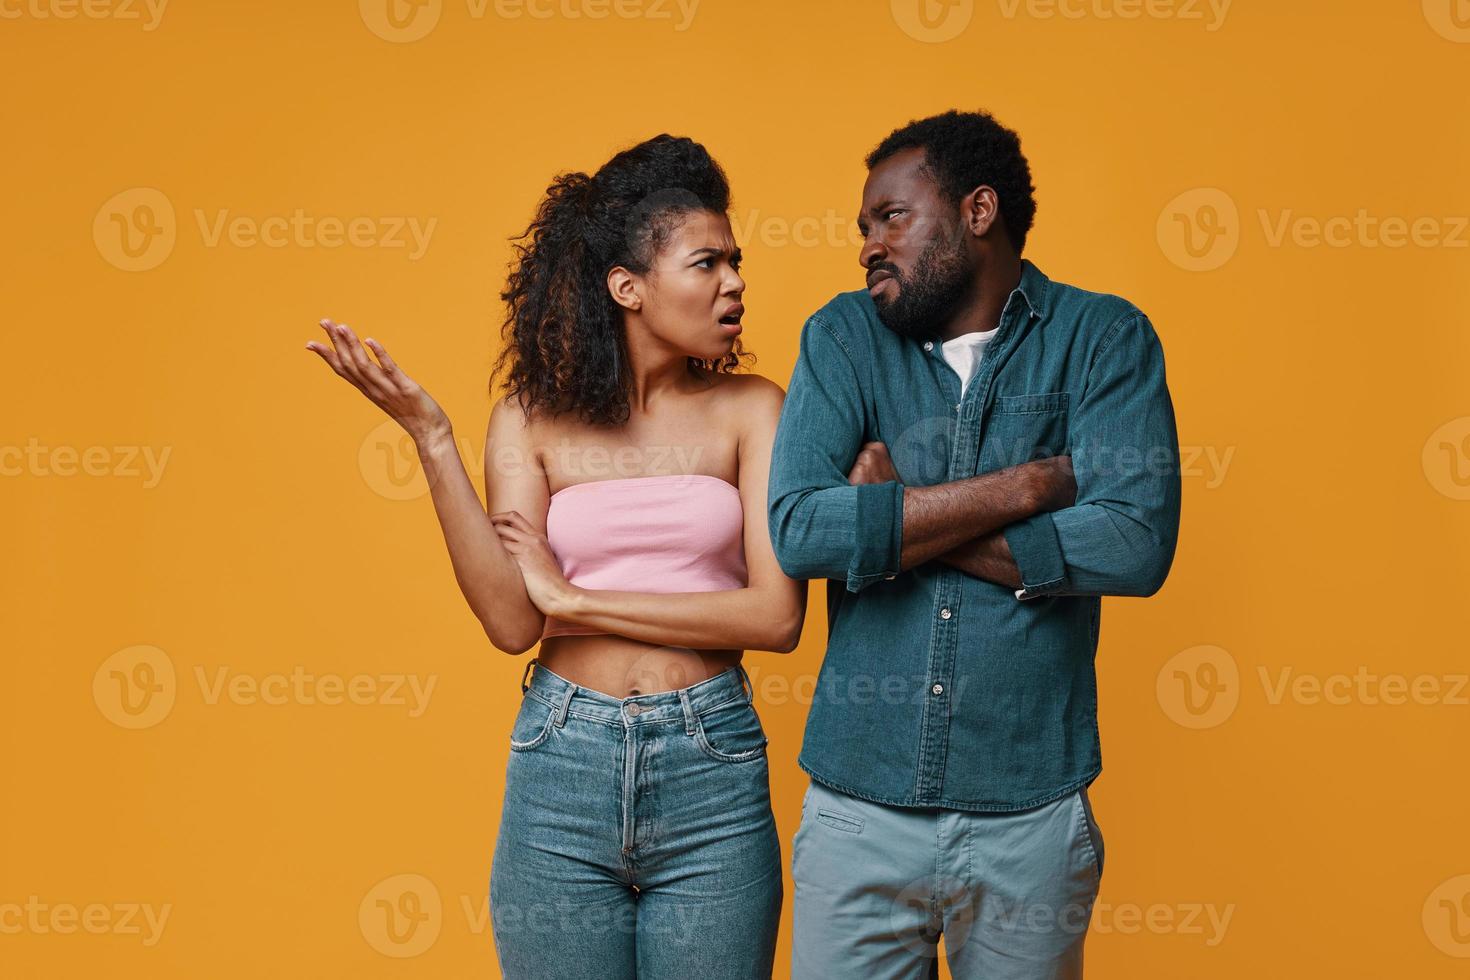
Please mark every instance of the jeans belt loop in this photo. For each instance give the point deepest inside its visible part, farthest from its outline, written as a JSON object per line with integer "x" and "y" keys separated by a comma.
{"x": 565, "y": 706}
{"x": 524, "y": 686}
{"x": 689, "y": 722}
{"x": 747, "y": 684}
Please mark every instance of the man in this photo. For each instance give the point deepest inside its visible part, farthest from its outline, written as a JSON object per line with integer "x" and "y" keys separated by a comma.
{"x": 975, "y": 454}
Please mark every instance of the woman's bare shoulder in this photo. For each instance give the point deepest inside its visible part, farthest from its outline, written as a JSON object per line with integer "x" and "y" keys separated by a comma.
{"x": 752, "y": 390}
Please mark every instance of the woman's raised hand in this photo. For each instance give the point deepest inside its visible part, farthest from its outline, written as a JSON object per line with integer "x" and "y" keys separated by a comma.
{"x": 383, "y": 382}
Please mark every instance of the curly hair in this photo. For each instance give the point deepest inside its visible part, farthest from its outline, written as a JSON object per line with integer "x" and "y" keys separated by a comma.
{"x": 564, "y": 339}
{"x": 963, "y": 150}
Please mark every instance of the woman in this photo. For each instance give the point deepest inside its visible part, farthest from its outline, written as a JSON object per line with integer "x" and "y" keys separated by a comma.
{"x": 626, "y": 469}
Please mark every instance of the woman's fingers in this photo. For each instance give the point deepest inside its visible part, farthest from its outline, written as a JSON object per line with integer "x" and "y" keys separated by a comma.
{"x": 361, "y": 364}
{"x": 390, "y": 367}
{"x": 356, "y": 365}
{"x": 514, "y": 519}
{"x": 333, "y": 357}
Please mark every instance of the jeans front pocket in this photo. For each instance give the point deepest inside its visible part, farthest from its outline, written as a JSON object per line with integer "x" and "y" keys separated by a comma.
{"x": 533, "y": 724}
{"x": 731, "y": 732}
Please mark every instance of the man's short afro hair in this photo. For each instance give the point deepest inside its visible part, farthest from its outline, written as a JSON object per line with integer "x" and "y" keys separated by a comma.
{"x": 963, "y": 150}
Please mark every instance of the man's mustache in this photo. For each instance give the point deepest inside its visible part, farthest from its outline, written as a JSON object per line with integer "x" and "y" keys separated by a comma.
{"x": 876, "y": 269}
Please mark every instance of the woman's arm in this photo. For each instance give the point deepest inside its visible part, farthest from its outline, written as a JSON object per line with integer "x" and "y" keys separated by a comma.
{"x": 488, "y": 576}
{"x": 765, "y": 615}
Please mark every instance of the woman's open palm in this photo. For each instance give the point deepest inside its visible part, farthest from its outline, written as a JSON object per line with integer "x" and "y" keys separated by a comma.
{"x": 382, "y": 381}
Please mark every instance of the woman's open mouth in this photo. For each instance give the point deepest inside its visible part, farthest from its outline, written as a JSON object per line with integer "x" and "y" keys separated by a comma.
{"x": 731, "y": 320}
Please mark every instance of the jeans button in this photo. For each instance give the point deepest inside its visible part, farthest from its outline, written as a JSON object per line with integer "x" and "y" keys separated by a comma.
{"x": 928, "y": 345}
{"x": 634, "y": 710}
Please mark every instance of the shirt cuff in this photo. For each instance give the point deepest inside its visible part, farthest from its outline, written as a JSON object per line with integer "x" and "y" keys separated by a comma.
{"x": 1037, "y": 552}
{"x": 879, "y": 534}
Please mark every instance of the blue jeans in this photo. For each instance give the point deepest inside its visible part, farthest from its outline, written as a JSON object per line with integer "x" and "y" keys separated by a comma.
{"x": 637, "y": 838}
{"x": 876, "y": 885}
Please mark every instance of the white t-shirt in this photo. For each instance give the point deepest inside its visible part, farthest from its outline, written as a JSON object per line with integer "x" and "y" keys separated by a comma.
{"x": 964, "y": 352}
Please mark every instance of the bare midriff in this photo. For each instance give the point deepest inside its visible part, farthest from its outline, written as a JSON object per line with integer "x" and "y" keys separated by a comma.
{"x": 618, "y": 665}
{"x": 623, "y": 667}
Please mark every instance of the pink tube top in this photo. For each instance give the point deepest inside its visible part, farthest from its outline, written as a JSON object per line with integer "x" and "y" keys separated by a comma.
{"x": 679, "y": 533}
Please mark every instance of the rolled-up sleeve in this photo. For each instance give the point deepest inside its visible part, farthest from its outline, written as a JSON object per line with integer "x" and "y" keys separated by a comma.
{"x": 1120, "y": 537}
{"x": 821, "y": 526}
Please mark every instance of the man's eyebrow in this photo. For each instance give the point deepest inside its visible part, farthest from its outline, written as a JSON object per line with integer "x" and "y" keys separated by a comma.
{"x": 878, "y": 208}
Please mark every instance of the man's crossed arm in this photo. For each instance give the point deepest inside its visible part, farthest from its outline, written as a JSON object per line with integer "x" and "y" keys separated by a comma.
{"x": 960, "y": 523}
{"x": 1102, "y": 521}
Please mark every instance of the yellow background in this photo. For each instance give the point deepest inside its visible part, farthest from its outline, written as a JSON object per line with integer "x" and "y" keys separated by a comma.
{"x": 1327, "y": 540}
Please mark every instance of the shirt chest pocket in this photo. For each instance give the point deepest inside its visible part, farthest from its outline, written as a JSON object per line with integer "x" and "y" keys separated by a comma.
{"x": 1024, "y": 427}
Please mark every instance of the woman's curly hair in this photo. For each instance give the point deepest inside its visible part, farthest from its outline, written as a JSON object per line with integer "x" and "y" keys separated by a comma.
{"x": 563, "y": 334}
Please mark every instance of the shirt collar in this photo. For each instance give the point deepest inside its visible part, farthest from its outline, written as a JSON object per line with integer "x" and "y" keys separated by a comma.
{"x": 1032, "y": 288}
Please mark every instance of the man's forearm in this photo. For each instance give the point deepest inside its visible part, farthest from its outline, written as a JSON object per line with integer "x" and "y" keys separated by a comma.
{"x": 987, "y": 557}
{"x": 939, "y": 518}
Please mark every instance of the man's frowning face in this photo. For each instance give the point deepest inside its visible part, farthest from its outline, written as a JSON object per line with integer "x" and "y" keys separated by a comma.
{"x": 914, "y": 246}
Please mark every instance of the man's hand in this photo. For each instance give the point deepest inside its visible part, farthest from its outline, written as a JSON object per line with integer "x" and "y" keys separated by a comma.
{"x": 873, "y": 465}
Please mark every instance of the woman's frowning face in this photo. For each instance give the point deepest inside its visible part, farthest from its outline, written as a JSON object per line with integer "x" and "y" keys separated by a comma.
{"x": 691, "y": 294}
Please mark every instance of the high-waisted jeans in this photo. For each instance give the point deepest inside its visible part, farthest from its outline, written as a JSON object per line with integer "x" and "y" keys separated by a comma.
{"x": 636, "y": 838}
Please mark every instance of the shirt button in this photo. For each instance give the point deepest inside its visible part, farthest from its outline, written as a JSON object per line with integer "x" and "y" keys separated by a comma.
{"x": 937, "y": 688}
{"x": 944, "y": 613}
{"x": 928, "y": 345}
{"x": 634, "y": 710}
{"x": 956, "y": 406}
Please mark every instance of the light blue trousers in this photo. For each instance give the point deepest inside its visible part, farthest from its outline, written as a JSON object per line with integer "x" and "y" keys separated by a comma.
{"x": 876, "y": 886}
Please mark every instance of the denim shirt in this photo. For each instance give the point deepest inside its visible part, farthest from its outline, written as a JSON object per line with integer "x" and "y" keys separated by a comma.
{"x": 940, "y": 689}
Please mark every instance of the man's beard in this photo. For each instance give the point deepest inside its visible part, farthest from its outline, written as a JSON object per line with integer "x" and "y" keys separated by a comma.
{"x": 930, "y": 295}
